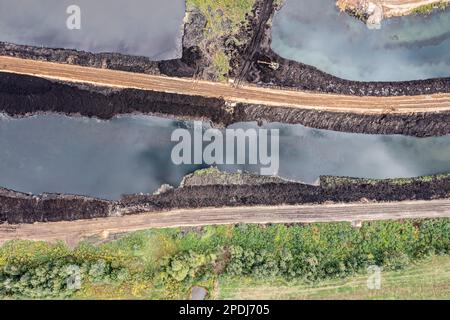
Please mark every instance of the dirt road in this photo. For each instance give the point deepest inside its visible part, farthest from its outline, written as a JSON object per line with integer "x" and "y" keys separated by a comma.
{"x": 72, "y": 232}
{"x": 394, "y": 8}
{"x": 246, "y": 94}
{"x": 391, "y": 8}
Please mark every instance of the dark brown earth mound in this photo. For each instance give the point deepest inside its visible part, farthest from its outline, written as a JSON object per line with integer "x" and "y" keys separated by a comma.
{"x": 184, "y": 67}
{"x": 330, "y": 190}
{"x": 24, "y": 95}
{"x": 16, "y": 207}
{"x": 295, "y": 75}
{"x": 424, "y": 124}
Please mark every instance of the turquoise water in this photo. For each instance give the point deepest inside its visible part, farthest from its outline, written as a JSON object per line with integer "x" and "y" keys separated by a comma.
{"x": 132, "y": 154}
{"x": 314, "y": 32}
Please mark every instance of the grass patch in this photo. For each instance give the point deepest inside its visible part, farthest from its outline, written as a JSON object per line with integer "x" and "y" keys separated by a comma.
{"x": 222, "y": 16}
{"x": 222, "y": 65}
{"x": 428, "y": 279}
{"x": 332, "y": 182}
{"x": 430, "y": 8}
{"x": 224, "y": 19}
{"x": 207, "y": 171}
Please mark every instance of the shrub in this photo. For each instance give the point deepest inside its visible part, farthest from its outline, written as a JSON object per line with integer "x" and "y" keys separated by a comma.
{"x": 311, "y": 252}
{"x": 187, "y": 265}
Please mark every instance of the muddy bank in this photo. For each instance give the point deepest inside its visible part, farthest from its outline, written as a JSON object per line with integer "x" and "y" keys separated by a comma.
{"x": 16, "y": 207}
{"x": 426, "y": 124}
{"x": 299, "y": 76}
{"x": 22, "y": 208}
{"x": 25, "y": 95}
{"x": 330, "y": 189}
{"x": 295, "y": 75}
{"x": 184, "y": 67}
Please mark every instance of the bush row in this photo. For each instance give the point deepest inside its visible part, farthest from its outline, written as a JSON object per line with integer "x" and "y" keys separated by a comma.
{"x": 185, "y": 256}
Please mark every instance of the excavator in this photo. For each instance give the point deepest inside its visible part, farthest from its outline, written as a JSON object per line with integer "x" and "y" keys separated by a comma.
{"x": 271, "y": 64}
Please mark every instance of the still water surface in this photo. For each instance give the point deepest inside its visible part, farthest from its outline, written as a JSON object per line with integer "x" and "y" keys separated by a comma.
{"x": 406, "y": 48}
{"x": 151, "y": 28}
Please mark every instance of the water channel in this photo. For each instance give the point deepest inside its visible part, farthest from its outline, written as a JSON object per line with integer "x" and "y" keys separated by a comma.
{"x": 139, "y": 27}
{"x": 316, "y": 33}
{"x": 132, "y": 154}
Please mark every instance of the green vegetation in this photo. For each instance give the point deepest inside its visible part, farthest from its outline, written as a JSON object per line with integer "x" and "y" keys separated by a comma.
{"x": 207, "y": 171}
{"x": 224, "y": 21}
{"x": 165, "y": 264}
{"x": 428, "y": 279}
{"x": 213, "y": 176}
{"x": 332, "y": 182}
{"x": 220, "y": 12}
{"x": 429, "y": 8}
{"x": 40, "y": 270}
{"x": 222, "y": 65}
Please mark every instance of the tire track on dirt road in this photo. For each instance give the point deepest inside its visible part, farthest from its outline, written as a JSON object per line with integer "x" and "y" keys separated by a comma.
{"x": 73, "y": 231}
{"x": 243, "y": 94}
